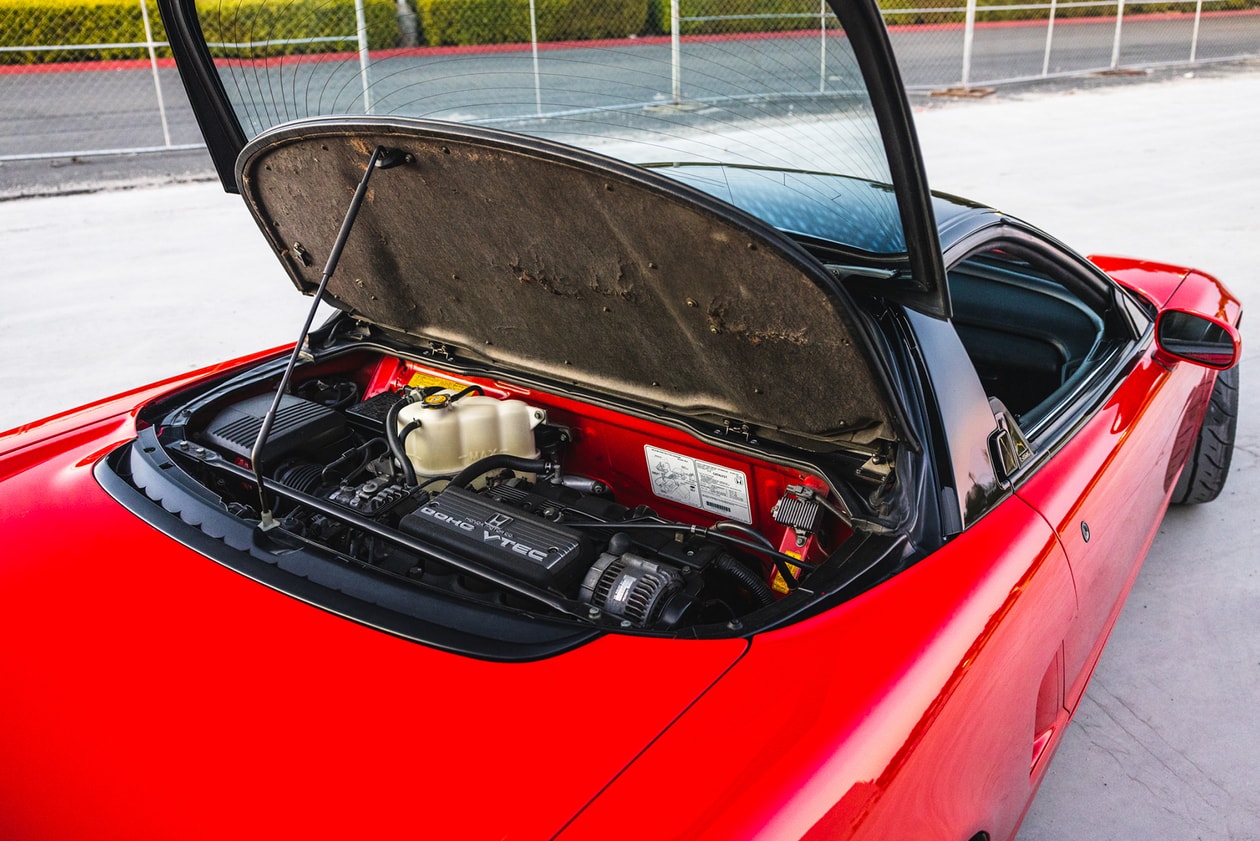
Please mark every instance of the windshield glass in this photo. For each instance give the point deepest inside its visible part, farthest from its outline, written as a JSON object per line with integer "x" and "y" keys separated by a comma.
{"x": 763, "y": 85}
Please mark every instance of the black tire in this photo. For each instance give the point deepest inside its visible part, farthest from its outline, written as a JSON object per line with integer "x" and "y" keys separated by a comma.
{"x": 1206, "y": 470}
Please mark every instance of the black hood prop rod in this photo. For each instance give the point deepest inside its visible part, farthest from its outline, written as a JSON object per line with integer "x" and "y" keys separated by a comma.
{"x": 381, "y": 158}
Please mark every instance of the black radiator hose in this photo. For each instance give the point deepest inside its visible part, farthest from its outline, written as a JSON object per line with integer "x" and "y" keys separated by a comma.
{"x": 745, "y": 576}
{"x": 395, "y": 445}
{"x": 499, "y": 461}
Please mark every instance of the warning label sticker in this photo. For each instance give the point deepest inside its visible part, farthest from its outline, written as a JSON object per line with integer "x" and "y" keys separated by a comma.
{"x": 708, "y": 487}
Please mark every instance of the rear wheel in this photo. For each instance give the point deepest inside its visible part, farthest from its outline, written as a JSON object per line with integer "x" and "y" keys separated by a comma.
{"x": 1205, "y": 472}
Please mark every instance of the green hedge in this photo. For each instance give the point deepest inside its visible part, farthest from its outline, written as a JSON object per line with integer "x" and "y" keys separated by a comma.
{"x": 55, "y": 22}
{"x": 761, "y": 15}
{"x": 278, "y": 20}
{"x": 458, "y": 22}
{"x": 464, "y": 22}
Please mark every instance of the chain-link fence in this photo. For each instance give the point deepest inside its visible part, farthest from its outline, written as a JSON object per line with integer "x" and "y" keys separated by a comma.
{"x": 96, "y": 77}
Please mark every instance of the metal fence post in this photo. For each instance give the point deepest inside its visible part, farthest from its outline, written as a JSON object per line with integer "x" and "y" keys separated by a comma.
{"x": 157, "y": 81}
{"x": 675, "y": 50}
{"x": 361, "y": 23}
{"x": 1115, "y": 44}
{"x": 1194, "y": 36}
{"x": 969, "y": 37}
{"x": 407, "y": 24}
{"x": 1045, "y": 62}
{"x": 822, "y": 46}
{"x": 533, "y": 42}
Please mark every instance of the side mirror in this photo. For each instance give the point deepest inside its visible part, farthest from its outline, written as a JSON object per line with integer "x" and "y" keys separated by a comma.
{"x": 1197, "y": 338}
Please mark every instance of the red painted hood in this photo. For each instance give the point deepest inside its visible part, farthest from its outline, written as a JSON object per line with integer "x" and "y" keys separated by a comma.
{"x": 149, "y": 692}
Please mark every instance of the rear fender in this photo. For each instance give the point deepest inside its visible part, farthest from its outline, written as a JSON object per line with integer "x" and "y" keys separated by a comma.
{"x": 1205, "y": 295}
{"x": 1155, "y": 282}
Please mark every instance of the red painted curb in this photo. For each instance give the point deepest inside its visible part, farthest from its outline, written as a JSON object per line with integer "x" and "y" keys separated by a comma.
{"x": 656, "y": 40}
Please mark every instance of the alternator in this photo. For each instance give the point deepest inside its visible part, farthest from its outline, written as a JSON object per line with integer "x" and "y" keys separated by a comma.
{"x": 636, "y": 589}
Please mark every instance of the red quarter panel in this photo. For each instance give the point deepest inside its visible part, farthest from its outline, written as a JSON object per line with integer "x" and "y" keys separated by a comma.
{"x": 907, "y": 713}
{"x": 1105, "y": 491}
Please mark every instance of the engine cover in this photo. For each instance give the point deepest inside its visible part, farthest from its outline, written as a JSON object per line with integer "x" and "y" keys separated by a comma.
{"x": 501, "y": 537}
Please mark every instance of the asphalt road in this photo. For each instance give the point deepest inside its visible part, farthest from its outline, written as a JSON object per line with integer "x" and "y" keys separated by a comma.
{"x": 84, "y": 110}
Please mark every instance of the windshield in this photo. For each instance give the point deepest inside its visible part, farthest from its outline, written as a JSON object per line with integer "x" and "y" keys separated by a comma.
{"x": 764, "y": 86}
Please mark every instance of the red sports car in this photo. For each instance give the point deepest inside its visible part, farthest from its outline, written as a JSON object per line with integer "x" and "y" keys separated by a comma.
{"x": 673, "y": 467}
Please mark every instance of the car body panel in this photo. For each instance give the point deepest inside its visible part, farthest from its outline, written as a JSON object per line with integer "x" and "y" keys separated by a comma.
{"x": 1128, "y": 460}
{"x": 1156, "y": 282}
{"x": 1128, "y": 456}
{"x": 1202, "y": 293}
{"x": 141, "y": 669}
{"x": 966, "y": 420}
{"x": 900, "y": 711}
{"x": 908, "y": 712}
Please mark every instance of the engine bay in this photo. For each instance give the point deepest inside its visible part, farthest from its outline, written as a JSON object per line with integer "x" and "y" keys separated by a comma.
{"x": 510, "y": 497}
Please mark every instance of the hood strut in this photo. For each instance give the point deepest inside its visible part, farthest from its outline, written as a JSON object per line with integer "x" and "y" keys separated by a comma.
{"x": 381, "y": 158}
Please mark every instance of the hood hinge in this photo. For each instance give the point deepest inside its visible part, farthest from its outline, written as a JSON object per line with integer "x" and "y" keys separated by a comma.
{"x": 734, "y": 427}
{"x": 439, "y": 350}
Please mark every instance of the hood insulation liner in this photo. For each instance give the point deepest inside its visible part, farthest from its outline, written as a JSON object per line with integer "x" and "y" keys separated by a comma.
{"x": 558, "y": 263}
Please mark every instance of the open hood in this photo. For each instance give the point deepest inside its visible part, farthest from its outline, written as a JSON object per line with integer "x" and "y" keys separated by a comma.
{"x": 551, "y": 262}
{"x": 810, "y": 88}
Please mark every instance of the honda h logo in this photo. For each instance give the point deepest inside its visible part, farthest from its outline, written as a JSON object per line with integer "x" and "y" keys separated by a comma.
{"x": 498, "y": 521}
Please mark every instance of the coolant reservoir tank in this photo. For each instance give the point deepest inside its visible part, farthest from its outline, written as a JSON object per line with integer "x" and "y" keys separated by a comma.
{"x": 455, "y": 433}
